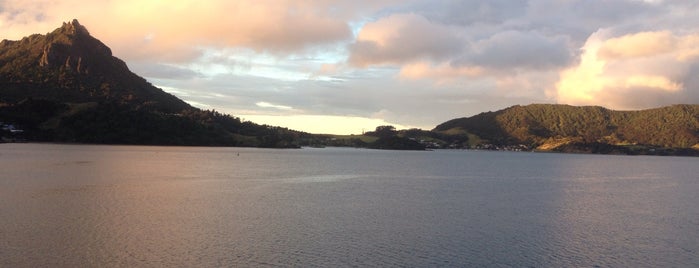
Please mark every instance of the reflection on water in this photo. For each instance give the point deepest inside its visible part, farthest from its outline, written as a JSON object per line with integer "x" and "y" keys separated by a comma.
{"x": 631, "y": 204}
{"x": 76, "y": 206}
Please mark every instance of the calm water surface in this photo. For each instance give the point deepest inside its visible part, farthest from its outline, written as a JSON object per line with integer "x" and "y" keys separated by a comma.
{"x": 131, "y": 206}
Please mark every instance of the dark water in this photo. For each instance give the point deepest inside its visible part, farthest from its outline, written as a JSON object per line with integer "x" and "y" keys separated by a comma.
{"x": 127, "y": 206}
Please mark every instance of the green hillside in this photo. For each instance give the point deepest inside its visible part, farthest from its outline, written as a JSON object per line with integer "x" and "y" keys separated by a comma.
{"x": 561, "y": 127}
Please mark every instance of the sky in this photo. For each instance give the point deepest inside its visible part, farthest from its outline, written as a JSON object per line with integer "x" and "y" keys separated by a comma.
{"x": 347, "y": 66}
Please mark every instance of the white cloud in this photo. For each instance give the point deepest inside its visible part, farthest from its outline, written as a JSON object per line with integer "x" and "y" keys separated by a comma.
{"x": 274, "y": 106}
{"x": 633, "y": 71}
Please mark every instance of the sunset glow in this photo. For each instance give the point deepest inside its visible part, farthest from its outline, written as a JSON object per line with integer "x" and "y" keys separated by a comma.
{"x": 343, "y": 66}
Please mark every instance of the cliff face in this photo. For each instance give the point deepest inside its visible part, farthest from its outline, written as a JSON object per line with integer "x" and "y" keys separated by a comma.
{"x": 69, "y": 45}
{"x": 69, "y": 65}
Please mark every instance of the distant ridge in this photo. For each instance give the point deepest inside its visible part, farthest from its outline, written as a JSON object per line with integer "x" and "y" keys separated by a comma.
{"x": 66, "y": 86}
{"x": 562, "y": 127}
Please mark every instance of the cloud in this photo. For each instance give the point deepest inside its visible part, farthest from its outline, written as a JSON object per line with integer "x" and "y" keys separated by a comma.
{"x": 422, "y": 70}
{"x": 515, "y": 49}
{"x": 578, "y": 19}
{"x": 425, "y": 48}
{"x": 264, "y": 104}
{"x": 162, "y": 71}
{"x": 644, "y": 44}
{"x": 176, "y": 30}
{"x": 650, "y": 44}
{"x": 402, "y": 38}
{"x": 633, "y": 71}
{"x": 469, "y": 12}
{"x": 509, "y": 64}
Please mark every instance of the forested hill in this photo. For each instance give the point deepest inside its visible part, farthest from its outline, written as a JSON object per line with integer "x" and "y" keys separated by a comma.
{"x": 66, "y": 86}
{"x": 561, "y": 127}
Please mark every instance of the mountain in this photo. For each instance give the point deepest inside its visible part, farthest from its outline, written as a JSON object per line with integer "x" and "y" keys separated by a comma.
{"x": 549, "y": 127}
{"x": 69, "y": 65}
{"x": 66, "y": 86}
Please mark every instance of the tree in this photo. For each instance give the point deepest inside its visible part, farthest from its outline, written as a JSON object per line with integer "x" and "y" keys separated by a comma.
{"x": 385, "y": 131}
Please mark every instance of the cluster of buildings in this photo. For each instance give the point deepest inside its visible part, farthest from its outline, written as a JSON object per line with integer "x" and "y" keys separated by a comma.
{"x": 10, "y": 127}
{"x": 430, "y": 144}
{"x": 10, "y": 133}
{"x": 488, "y": 147}
{"x": 511, "y": 148}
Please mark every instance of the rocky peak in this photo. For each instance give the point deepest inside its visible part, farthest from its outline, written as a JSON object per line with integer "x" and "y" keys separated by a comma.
{"x": 74, "y": 28}
{"x": 69, "y": 65}
{"x": 72, "y": 47}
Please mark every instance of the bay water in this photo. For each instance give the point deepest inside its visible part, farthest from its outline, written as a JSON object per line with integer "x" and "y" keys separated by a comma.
{"x": 140, "y": 206}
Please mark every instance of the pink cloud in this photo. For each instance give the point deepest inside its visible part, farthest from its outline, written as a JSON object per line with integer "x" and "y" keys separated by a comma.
{"x": 403, "y": 38}
{"x": 176, "y": 30}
